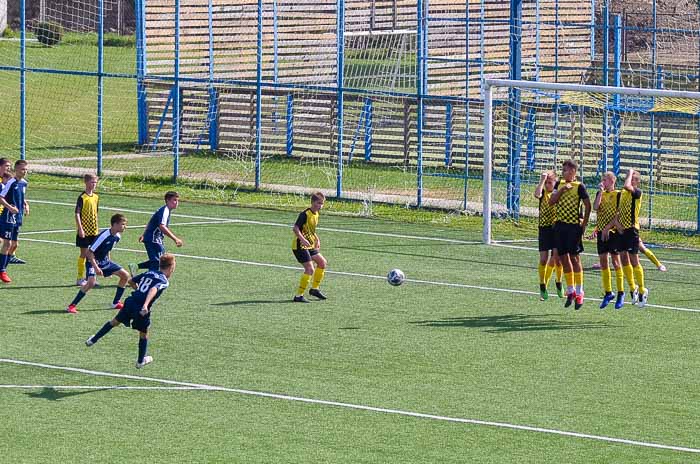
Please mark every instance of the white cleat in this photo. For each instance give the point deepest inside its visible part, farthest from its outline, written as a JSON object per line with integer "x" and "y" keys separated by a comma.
{"x": 643, "y": 298}
{"x": 80, "y": 282}
{"x": 662, "y": 268}
{"x": 146, "y": 360}
{"x": 89, "y": 342}
{"x": 635, "y": 295}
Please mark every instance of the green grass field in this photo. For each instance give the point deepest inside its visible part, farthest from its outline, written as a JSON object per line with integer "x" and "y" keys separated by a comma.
{"x": 462, "y": 363}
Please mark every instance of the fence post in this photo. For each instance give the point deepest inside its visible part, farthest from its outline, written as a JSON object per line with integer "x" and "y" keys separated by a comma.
{"x": 448, "y": 134}
{"x": 141, "y": 100}
{"x": 100, "y": 81}
{"x": 513, "y": 198}
{"x": 258, "y": 98}
{"x": 617, "y": 82}
{"x": 290, "y": 124}
{"x": 340, "y": 63}
{"x": 177, "y": 96}
{"x": 368, "y": 129}
{"x": 23, "y": 81}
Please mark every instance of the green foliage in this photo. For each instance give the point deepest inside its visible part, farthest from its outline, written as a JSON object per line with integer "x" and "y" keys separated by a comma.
{"x": 10, "y": 34}
{"x": 48, "y": 33}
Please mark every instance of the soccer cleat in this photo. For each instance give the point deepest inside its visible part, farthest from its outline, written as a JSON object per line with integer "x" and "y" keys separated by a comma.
{"x": 300, "y": 299}
{"x": 80, "y": 282}
{"x": 117, "y": 305}
{"x": 317, "y": 293}
{"x": 560, "y": 289}
{"x": 620, "y": 300}
{"x": 579, "y": 301}
{"x": 146, "y": 360}
{"x": 89, "y": 342}
{"x": 643, "y": 298}
{"x": 662, "y": 268}
{"x": 635, "y": 295}
{"x": 71, "y": 309}
{"x": 544, "y": 295}
{"x": 15, "y": 260}
{"x": 569, "y": 299}
{"x": 5, "y": 278}
{"x": 133, "y": 269}
{"x": 607, "y": 298}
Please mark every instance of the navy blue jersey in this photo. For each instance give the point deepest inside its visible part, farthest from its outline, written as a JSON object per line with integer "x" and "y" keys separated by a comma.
{"x": 103, "y": 244}
{"x": 153, "y": 233}
{"x": 146, "y": 282}
{"x": 13, "y": 192}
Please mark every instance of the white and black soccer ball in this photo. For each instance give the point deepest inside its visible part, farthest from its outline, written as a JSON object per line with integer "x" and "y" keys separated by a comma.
{"x": 395, "y": 277}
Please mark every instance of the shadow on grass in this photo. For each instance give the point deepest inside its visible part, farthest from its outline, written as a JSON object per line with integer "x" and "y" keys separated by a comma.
{"x": 250, "y": 302}
{"x": 29, "y": 287}
{"x": 515, "y": 323}
{"x": 52, "y": 394}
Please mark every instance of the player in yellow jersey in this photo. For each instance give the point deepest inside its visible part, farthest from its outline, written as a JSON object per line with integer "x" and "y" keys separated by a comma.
{"x": 605, "y": 204}
{"x": 306, "y": 247}
{"x": 86, "y": 209}
{"x": 549, "y": 262}
{"x": 627, "y": 223}
{"x": 569, "y": 229}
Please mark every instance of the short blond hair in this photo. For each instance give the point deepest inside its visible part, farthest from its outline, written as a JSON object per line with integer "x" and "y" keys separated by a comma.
{"x": 317, "y": 196}
{"x": 166, "y": 261}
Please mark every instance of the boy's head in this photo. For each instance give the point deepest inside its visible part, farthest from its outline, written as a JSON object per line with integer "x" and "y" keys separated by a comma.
{"x": 636, "y": 178}
{"x": 608, "y": 181}
{"x": 172, "y": 199}
{"x": 317, "y": 200}
{"x": 4, "y": 165}
{"x": 118, "y": 222}
{"x": 550, "y": 181}
{"x": 568, "y": 170}
{"x": 20, "y": 169}
{"x": 90, "y": 182}
{"x": 167, "y": 264}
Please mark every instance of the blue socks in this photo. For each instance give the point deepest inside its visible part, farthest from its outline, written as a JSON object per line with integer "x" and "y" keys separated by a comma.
{"x": 102, "y": 332}
{"x": 4, "y": 260}
{"x": 78, "y": 297}
{"x": 118, "y": 295}
{"x": 143, "y": 346}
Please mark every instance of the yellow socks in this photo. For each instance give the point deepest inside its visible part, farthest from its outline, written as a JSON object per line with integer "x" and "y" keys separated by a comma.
{"x": 548, "y": 271}
{"x": 318, "y": 277}
{"x": 619, "y": 280}
{"x": 652, "y": 257}
{"x": 606, "y": 278}
{"x": 303, "y": 283}
{"x": 569, "y": 276}
{"x": 560, "y": 272}
{"x": 629, "y": 276}
{"x": 81, "y": 268}
{"x": 578, "y": 281}
{"x": 542, "y": 273}
{"x": 639, "y": 278}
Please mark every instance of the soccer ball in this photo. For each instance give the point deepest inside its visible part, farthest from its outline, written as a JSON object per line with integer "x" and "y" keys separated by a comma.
{"x": 395, "y": 277}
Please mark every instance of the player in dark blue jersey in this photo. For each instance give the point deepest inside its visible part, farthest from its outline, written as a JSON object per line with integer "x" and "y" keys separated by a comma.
{"x": 12, "y": 198}
{"x": 137, "y": 308}
{"x": 156, "y": 229}
{"x": 99, "y": 263}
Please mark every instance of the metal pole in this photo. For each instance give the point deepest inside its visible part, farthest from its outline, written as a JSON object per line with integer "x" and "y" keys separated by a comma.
{"x": 340, "y": 63}
{"x": 141, "y": 101}
{"x": 176, "y": 96}
{"x": 603, "y": 166}
{"x": 488, "y": 156}
{"x": 100, "y": 81}
{"x": 420, "y": 92}
{"x": 258, "y": 98}
{"x": 465, "y": 172}
{"x": 513, "y": 196}
{"x": 213, "y": 115}
{"x": 23, "y": 81}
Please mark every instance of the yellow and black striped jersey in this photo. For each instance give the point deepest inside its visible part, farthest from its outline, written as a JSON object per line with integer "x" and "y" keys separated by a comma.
{"x": 548, "y": 213}
{"x": 569, "y": 204}
{"x": 629, "y": 205}
{"x": 607, "y": 209}
{"x": 306, "y": 222}
{"x": 87, "y": 206}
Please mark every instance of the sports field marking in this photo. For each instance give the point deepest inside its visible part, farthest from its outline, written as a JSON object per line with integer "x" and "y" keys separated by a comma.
{"x": 357, "y": 274}
{"x": 518, "y": 247}
{"x": 504, "y": 243}
{"x": 138, "y": 226}
{"x": 98, "y": 387}
{"x": 360, "y": 407}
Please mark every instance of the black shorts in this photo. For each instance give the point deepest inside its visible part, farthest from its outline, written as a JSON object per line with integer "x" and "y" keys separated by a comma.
{"x": 608, "y": 246}
{"x": 304, "y": 256}
{"x": 131, "y": 317}
{"x": 84, "y": 242}
{"x": 629, "y": 241}
{"x": 546, "y": 239}
{"x": 568, "y": 238}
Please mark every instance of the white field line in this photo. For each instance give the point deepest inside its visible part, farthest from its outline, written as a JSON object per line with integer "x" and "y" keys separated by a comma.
{"x": 140, "y": 226}
{"x": 360, "y": 407}
{"x": 98, "y": 387}
{"x": 518, "y": 247}
{"x": 277, "y": 224}
{"x": 357, "y": 274}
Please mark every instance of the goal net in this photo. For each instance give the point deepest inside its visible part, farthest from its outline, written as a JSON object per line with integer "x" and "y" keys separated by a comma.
{"x": 531, "y": 127}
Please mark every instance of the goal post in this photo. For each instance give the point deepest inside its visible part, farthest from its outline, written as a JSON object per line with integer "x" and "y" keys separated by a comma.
{"x": 654, "y": 131}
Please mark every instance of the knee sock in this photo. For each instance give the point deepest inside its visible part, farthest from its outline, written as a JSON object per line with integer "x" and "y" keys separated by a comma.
{"x": 578, "y": 280}
{"x": 606, "y": 278}
{"x": 4, "y": 259}
{"x": 118, "y": 295}
{"x": 629, "y": 276}
{"x": 102, "y": 332}
{"x": 548, "y": 271}
{"x": 639, "y": 277}
{"x": 560, "y": 272}
{"x": 318, "y": 277}
{"x": 569, "y": 276}
{"x": 143, "y": 346}
{"x": 81, "y": 268}
{"x": 541, "y": 273}
{"x": 78, "y": 297}
{"x": 303, "y": 283}
{"x": 619, "y": 280}
{"x": 652, "y": 257}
